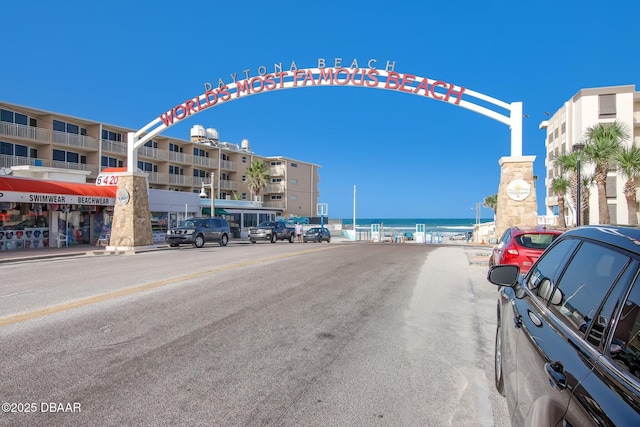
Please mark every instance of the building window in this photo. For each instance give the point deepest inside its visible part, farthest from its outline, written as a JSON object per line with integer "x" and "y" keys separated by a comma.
{"x": 564, "y": 127}
{"x": 294, "y": 181}
{"x": 111, "y": 162}
{"x": 61, "y": 126}
{"x": 175, "y": 148}
{"x": 69, "y": 157}
{"x": 276, "y": 180}
{"x": 278, "y": 197}
{"x": 244, "y": 196}
{"x": 244, "y": 178}
{"x": 175, "y": 170}
{"x": 607, "y": 104}
{"x": 294, "y": 165}
{"x": 107, "y": 135}
{"x": 610, "y": 187}
{"x": 147, "y": 167}
{"x": 151, "y": 144}
{"x": 11, "y": 117}
{"x": 244, "y": 159}
{"x": 200, "y": 173}
{"x": 294, "y": 197}
{"x": 17, "y": 150}
{"x": 276, "y": 163}
{"x": 200, "y": 153}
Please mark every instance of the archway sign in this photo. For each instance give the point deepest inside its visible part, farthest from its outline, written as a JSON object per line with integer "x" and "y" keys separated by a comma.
{"x": 278, "y": 78}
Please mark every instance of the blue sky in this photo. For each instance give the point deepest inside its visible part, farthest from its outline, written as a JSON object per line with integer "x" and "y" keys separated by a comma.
{"x": 126, "y": 62}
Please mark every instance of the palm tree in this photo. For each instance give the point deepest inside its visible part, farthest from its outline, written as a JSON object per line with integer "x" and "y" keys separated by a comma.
{"x": 603, "y": 142}
{"x": 629, "y": 166}
{"x": 559, "y": 186}
{"x": 569, "y": 165}
{"x": 257, "y": 176}
{"x": 491, "y": 202}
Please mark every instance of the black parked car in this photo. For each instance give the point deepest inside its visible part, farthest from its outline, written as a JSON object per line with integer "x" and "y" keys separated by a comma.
{"x": 568, "y": 337}
{"x": 198, "y": 231}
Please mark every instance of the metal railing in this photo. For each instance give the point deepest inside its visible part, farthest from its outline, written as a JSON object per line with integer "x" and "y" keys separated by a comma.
{"x": 113, "y": 146}
{"x": 180, "y": 157}
{"x": 228, "y": 185}
{"x": 8, "y": 161}
{"x": 204, "y": 161}
{"x": 75, "y": 140}
{"x": 25, "y": 132}
{"x": 227, "y": 165}
{"x": 180, "y": 179}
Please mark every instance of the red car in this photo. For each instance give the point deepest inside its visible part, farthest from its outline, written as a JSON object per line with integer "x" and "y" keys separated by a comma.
{"x": 522, "y": 246}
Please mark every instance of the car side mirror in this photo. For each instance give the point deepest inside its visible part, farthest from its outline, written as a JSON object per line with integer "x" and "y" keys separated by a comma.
{"x": 503, "y": 275}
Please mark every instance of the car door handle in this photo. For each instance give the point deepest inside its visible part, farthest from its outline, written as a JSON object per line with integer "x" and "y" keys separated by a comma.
{"x": 518, "y": 321}
{"x": 557, "y": 378}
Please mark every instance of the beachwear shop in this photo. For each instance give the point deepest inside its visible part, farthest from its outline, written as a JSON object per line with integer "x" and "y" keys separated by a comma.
{"x": 41, "y": 213}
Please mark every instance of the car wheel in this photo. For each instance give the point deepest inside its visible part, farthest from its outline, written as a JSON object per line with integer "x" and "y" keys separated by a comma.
{"x": 199, "y": 242}
{"x": 224, "y": 240}
{"x": 173, "y": 245}
{"x": 291, "y": 238}
{"x": 252, "y": 241}
{"x": 328, "y": 239}
{"x": 498, "y": 361}
{"x": 274, "y": 238}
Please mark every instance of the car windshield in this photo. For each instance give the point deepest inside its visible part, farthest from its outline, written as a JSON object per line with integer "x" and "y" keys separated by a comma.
{"x": 193, "y": 223}
{"x": 313, "y": 231}
{"x": 535, "y": 240}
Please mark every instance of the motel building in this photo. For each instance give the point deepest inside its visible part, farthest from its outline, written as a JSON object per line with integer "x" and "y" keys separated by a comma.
{"x": 54, "y": 190}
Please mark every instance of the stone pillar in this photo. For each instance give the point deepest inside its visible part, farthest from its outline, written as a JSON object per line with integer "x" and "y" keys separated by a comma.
{"x": 131, "y": 225}
{"x": 517, "y": 200}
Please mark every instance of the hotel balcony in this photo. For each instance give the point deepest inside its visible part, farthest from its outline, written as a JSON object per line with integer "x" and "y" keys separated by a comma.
{"x": 8, "y": 161}
{"x": 153, "y": 153}
{"x": 274, "y": 204}
{"x": 274, "y": 189}
{"x": 186, "y": 159}
{"x": 228, "y": 185}
{"x": 93, "y": 169}
{"x": 205, "y": 161}
{"x": 276, "y": 171}
{"x": 113, "y": 147}
{"x": 27, "y": 133}
{"x": 183, "y": 180}
{"x": 227, "y": 165}
{"x": 77, "y": 141}
{"x": 158, "y": 178}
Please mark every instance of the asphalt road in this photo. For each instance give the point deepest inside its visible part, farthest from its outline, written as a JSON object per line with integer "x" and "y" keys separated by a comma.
{"x": 251, "y": 335}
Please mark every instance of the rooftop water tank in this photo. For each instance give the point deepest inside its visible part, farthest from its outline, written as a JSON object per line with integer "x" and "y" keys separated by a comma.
{"x": 212, "y": 134}
{"x": 197, "y": 133}
{"x": 245, "y": 145}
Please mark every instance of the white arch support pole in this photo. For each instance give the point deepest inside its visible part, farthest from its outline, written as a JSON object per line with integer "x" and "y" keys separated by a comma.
{"x": 515, "y": 121}
{"x": 132, "y": 152}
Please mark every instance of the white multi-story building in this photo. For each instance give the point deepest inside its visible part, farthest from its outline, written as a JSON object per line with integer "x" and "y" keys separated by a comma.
{"x": 567, "y": 127}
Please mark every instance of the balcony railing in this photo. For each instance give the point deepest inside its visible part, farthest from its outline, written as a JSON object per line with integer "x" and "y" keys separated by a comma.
{"x": 276, "y": 171}
{"x": 274, "y": 188}
{"x": 75, "y": 140}
{"x": 228, "y": 185}
{"x": 113, "y": 146}
{"x": 158, "y": 178}
{"x": 75, "y": 166}
{"x": 273, "y": 204}
{"x": 205, "y": 161}
{"x": 8, "y": 161}
{"x": 180, "y": 157}
{"x": 228, "y": 165}
{"x": 25, "y": 132}
{"x": 154, "y": 153}
{"x": 180, "y": 179}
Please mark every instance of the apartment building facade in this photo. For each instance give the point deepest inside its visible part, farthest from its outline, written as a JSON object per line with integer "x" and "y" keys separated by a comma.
{"x": 567, "y": 127}
{"x": 54, "y": 146}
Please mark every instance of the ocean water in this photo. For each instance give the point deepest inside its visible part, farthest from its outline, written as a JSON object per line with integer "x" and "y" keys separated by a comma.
{"x": 444, "y": 225}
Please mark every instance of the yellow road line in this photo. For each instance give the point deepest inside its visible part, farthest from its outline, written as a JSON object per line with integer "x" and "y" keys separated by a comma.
{"x": 41, "y": 312}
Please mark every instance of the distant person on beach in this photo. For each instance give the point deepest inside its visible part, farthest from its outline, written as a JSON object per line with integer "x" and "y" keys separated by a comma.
{"x": 299, "y": 231}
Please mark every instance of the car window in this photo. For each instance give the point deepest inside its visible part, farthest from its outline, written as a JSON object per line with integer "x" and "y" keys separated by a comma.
{"x": 585, "y": 283}
{"x": 549, "y": 267}
{"x": 625, "y": 345}
{"x": 216, "y": 223}
{"x": 505, "y": 237}
{"x": 535, "y": 240}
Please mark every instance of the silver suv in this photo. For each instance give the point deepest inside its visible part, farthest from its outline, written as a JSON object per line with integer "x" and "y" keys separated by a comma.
{"x": 198, "y": 231}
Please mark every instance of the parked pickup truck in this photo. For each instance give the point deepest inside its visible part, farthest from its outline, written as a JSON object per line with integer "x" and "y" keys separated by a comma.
{"x": 272, "y": 231}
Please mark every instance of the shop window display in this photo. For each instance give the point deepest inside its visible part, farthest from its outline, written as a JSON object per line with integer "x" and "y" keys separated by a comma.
{"x": 23, "y": 226}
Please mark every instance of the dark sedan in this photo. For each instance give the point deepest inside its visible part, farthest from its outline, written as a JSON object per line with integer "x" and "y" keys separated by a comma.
{"x": 316, "y": 234}
{"x": 567, "y": 348}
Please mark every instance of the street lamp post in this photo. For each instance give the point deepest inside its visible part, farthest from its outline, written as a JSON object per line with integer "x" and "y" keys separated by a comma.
{"x": 203, "y": 194}
{"x": 577, "y": 148}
